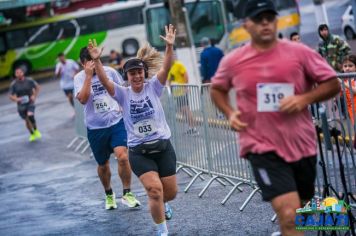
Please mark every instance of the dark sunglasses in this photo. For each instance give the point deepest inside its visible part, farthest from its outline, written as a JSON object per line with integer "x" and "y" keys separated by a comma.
{"x": 259, "y": 18}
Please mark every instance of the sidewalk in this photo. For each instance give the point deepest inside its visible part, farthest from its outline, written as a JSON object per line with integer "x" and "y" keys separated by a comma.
{"x": 46, "y": 189}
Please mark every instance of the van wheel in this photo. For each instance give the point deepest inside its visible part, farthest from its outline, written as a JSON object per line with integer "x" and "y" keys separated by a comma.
{"x": 349, "y": 33}
{"x": 130, "y": 47}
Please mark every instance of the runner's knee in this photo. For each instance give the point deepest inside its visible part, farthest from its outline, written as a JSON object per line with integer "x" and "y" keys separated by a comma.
{"x": 122, "y": 156}
{"x": 171, "y": 194}
{"x": 287, "y": 215}
{"x": 154, "y": 192}
{"x": 104, "y": 166}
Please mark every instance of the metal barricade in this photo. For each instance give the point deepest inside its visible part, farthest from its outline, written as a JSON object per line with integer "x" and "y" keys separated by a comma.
{"x": 185, "y": 120}
{"x": 80, "y": 142}
{"x": 203, "y": 139}
{"x": 224, "y": 150}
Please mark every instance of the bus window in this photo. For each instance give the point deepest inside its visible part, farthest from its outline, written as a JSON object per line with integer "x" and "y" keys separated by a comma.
{"x": 63, "y": 30}
{"x": 39, "y": 34}
{"x": 123, "y": 18}
{"x": 16, "y": 38}
{"x": 206, "y": 21}
{"x": 157, "y": 19}
{"x": 2, "y": 45}
{"x": 87, "y": 24}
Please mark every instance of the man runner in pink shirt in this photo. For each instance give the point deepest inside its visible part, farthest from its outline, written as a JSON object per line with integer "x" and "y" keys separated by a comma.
{"x": 274, "y": 83}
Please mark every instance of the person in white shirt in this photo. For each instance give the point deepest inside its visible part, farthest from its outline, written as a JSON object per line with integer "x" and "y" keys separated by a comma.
{"x": 66, "y": 69}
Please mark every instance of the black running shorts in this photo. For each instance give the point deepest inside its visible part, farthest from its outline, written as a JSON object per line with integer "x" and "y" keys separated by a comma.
{"x": 276, "y": 177}
{"x": 23, "y": 109}
{"x": 164, "y": 163}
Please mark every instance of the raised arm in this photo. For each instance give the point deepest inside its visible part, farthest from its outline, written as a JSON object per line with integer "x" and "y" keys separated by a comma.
{"x": 84, "y": 93}
{"x": 95, "y": 54}
{"x": 168, "y": 56}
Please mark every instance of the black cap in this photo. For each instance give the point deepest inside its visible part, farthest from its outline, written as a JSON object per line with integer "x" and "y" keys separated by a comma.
{"x": 255, "y": 7}
{"x": 133, "y": 63}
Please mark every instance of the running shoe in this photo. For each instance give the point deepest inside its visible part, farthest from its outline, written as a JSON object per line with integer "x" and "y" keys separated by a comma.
{"x": 277, "y": 233}
{"x": 168, "y": 212}
{"x": 37, "y": 134}
{"x": 110, "y": 202}
{"x": 160, "y": 233}
{"x": 32, "y": 137}
{"x": 130, "y": 200}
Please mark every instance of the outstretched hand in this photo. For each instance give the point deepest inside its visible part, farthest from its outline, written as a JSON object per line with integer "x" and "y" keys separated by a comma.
{"x": 94, "y": 51}
{"x": 170, "y": 35}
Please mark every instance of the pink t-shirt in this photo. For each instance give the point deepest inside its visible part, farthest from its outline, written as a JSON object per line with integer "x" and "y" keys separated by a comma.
{"x": 292, "y": 137}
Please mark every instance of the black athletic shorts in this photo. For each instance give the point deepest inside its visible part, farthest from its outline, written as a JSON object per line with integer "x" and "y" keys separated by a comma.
{"x": 24, "y": 108}
{"x": 164, "y": 163}
{"x": 68, "y": 91}
{"x": 276, "y": 177}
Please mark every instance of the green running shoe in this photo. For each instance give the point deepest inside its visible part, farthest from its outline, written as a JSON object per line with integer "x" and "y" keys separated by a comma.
{"x": 37, "y": 134}
{"x": 32, "y": 137}
{"x": 130, "y": 200}
{"x": 110, "y": 202}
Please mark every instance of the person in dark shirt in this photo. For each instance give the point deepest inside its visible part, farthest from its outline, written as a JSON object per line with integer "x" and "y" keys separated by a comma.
{"x": 209, "y": 59}
{"x": 24, "y": 92}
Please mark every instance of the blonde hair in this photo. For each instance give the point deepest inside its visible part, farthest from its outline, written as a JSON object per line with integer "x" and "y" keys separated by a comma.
{"x": 151, "y": 57}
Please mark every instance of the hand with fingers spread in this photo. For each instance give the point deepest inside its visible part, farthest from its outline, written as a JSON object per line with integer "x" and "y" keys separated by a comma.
{"x": 170, "y": 35}
{"x": 94, "y": 51}
{"x": 236, "y": 123}
{"x": 293, "y": 104}
{"x": 89, "y": 68}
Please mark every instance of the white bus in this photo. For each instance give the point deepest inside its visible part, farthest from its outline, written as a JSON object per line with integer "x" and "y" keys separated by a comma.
{"x": 35, "y": 45}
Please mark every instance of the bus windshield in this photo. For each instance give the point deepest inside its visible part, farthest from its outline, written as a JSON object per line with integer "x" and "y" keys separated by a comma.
{"x": 205, "y": 17}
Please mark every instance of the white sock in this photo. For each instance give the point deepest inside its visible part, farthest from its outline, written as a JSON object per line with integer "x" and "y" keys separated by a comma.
{"x": 162, "y": 227}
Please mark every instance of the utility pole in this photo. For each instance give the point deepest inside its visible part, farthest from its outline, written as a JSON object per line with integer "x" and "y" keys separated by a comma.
{"x": 320, "y": 12}
{"x": 185, "y": 49}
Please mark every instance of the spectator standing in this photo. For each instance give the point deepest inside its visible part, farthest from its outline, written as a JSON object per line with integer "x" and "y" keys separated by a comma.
{"x": 178, "y": 75}
{"x": 209, "y": 59}
{"x": 332, "y": 48}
